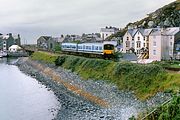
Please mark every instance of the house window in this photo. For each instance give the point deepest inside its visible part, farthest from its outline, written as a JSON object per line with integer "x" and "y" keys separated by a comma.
{"x": 144, "y": 44}
{"x": 147, "y": 38}
{"x": 133, "y": 45}
{"x": 170, "y": 43}
{"x": 127, "y": 43}
{"x": 170, "y": 52}
{"x": 133, "y": 39}
{"x": 148, "y": 45}
{"x": 154, "y": 52}
{"x": 106, "y": 34}
{"x": 154, "y": 43}
{"x": 170, "y": 37}
{"x": 127, "y": 38}
{"x": 144, "y": 38}
{"x": 138, "y": 52}
{"x": 138, "y": 44}
{"x": 138, "y": 38}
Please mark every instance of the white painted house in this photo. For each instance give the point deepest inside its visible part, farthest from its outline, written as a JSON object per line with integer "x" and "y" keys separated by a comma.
{"x": 128, "y": 40}
{"x": 136, "y": 40}
{"x": 14, "y": 48}
{"x": 108, "y": 31}
{"x": 159, "y": 43}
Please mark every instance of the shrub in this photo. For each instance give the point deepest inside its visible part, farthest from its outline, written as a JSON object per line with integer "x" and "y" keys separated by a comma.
{"x": 60, "y": 60}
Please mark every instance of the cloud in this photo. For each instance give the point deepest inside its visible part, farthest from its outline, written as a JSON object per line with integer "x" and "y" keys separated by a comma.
{"x": 32, "y": 18}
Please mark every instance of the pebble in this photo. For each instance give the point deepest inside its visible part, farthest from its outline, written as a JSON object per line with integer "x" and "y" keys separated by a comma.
{"x": 123, "y": 104}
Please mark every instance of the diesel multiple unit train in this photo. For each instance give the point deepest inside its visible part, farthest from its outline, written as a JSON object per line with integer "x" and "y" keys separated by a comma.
{"x": 105, "y": 49}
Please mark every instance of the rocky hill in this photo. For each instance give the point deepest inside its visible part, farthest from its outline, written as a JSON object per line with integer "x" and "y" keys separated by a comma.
{"x": 167, "y": 16}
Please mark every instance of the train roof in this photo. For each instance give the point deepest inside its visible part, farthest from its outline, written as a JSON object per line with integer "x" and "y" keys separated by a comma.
{"x": 69, "y": 43}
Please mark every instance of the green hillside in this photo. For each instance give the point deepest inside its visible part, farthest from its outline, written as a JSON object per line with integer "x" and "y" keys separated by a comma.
{"x": 167, "y": 16}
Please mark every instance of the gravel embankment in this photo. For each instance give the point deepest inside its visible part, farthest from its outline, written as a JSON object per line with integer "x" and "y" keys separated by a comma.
{"x": 74, "y": 107}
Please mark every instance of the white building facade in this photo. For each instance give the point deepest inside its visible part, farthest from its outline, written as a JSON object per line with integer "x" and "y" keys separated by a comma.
{"x": 135, "y": 40}
{"x": 108, "y": 31}
{"x": 160, "y": 43}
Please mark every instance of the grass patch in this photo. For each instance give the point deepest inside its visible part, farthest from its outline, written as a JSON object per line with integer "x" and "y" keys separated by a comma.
{"x": 45, "y": 57}
{"x": 169, "y": 111}
{"x": 144, "y": 80}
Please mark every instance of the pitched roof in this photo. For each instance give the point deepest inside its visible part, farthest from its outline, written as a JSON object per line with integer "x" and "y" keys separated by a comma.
{"x": 147, "y": 32}
{"x": 171, "y": 31}
{"x": 5, "y": 36}
{"x": 46, "y": 37}
{"x": 132, "y": 32}
{"x": 165, "y": 31}
{"x": 156, "y": 32}
{"x": 107, "y": 30}
{"x": 58, "y": 39}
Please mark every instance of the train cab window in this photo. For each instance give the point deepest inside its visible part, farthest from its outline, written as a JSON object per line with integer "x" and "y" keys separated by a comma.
{"x": 108, "y": 47}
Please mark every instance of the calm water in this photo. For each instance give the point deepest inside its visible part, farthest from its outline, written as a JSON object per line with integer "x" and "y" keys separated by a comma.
{"x": 22, "y": 97}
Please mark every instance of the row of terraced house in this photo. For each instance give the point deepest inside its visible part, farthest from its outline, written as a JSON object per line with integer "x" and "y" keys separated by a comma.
{"x": 154, "y": 44}
{"x": 8, "y": 40}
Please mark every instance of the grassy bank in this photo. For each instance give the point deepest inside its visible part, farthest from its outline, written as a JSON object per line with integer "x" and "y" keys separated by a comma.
{"x": 168, "y": 111}
{"x": 144, "y": 80}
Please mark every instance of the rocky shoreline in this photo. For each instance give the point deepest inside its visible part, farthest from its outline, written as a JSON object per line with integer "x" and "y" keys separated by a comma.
{"x": 73, "y": 106}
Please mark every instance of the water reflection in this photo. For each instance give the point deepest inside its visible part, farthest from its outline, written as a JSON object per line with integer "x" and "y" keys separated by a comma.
{"x": 21, "y": 97}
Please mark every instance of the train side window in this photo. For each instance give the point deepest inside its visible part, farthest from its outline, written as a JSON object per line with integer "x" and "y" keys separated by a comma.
{"x": 93, "y": 47}
{"x": 86, "y": 47}
{"x": 83, "y": 46}
{"x": 100, "y": 48}
{"x": 79, "y": 47}
{"x": 73, "y": 47}
{"x": 96, "y": 47}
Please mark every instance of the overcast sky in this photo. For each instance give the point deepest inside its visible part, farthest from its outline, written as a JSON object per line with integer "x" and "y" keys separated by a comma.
{"x": 33, "y": 18}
